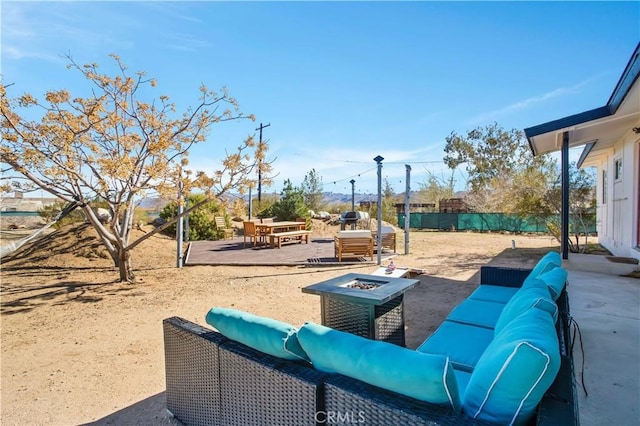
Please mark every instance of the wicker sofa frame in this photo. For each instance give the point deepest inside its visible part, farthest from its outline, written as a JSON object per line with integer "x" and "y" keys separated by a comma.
{"x": 212, "y": 380}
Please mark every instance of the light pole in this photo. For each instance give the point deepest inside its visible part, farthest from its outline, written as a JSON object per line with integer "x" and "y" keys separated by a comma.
{"x": 353, "y": 201}
{"x": 179, "y": 224}
{"x": 407, "y": 209}
{"x": 378, "y": 160}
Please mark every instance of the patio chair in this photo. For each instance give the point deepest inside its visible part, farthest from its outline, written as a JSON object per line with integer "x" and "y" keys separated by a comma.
{"x": 221, "y": 227}
{"x": 251, "y": 232}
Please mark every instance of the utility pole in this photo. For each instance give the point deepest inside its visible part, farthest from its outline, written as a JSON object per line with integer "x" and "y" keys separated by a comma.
{"x": 260, "y": 167}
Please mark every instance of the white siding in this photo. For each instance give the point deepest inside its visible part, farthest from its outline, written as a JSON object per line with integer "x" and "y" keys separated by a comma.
{"x": 618, "y": 217}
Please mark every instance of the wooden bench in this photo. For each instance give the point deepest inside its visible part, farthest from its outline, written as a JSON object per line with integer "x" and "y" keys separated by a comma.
{"x": 280, "y": 237}
{"x": 353, "y": 246}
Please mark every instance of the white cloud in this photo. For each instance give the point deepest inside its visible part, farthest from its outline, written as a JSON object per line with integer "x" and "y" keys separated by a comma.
{"x": 174, "y": 11}
{"x": 15, "y": 52}
{"x": 186, "y": 42}
{"x": 526, "y": 103}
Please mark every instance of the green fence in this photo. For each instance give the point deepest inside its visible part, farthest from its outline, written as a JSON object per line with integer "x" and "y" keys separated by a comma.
{"x": 9, "y": 213}
{"x": 478, "y": 222}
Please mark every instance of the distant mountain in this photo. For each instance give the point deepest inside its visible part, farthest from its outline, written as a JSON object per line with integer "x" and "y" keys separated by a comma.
{"x": 335, "y": 198}
{"x": 328, "y": 197}
{"x": 153, "y": 203}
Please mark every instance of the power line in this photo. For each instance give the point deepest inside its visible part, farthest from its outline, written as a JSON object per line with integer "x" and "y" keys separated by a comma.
{"x": 396, "y": 162}
{"x": 353, "y": 176}
{"x": 367, "y": 162}
{"x": 336, "y": 181}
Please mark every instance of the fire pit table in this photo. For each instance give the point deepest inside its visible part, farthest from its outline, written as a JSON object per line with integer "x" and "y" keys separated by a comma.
{"x": 366, "y": 305}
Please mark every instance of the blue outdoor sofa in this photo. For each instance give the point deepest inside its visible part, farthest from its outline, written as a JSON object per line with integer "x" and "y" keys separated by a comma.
{"x": 501, "y": 357}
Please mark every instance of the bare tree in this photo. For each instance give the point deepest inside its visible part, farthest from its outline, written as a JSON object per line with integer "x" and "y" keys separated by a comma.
{"x": 115, "y": 147}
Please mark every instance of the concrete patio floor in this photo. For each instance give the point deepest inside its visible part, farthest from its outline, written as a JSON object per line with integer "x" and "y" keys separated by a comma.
{"x": 606, "y": 308}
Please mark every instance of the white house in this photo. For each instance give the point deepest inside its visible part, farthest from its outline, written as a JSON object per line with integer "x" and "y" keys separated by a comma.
{"x": 611, "y": 138}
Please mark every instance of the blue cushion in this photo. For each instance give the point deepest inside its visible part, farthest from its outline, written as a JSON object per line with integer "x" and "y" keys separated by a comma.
{"x": 477, "y": 312}
{"x": 264, "y": 334}
{"x": 462, "y": 378}
{"x": 555, "y": 280}
{"x": 515, "y": 371}
{"x": 462, "y": 343}
{"x": 421, "y": 376}
{"x": 546, "y": 263}
{"x": 493, "y": 293}
{"x": 536, "y": 294}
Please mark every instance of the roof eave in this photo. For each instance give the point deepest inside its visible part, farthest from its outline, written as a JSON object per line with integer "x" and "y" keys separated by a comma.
{"x": 567, "y": 122}
{"x": 626, "y": 81}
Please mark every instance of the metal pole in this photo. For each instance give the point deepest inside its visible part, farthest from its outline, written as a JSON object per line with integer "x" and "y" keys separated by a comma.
{"x": 565, "y": 196}
{"x": 407, "y": 209}
{"x": 186, "y": 220}
{"x": 179, "y": 234}
{"x": 353, "y": 201}
{"x": 260, "y": 167}
{"x": 378, "y": 160}
{"x": 250, "y": 205}
{"x": 353, "y": 195}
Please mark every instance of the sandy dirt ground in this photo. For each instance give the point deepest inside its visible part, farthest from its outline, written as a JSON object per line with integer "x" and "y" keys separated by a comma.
{"x": 79, "y": 347}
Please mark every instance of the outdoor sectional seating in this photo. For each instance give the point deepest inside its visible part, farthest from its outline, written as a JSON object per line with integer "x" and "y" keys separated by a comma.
{"x": 388, "y": 240}
{"x": 353, "y": 243}
{"x": 512, "y": 366}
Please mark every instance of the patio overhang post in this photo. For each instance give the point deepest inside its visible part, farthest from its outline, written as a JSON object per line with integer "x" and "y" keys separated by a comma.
{"x": 378, "y": 160}
{"x": 565, "y": 195}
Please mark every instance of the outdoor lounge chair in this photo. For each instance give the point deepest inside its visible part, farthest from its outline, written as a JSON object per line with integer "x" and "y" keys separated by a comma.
{"x": 221, "y": 227}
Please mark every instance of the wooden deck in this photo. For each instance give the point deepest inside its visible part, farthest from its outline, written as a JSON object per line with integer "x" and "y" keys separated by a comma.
{"x": 319, "y": 251}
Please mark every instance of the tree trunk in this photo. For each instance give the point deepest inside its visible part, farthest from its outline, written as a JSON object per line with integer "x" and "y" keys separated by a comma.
{"x": 124, "y": 266}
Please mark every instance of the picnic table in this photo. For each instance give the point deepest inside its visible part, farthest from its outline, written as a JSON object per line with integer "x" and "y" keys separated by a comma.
{"x": 284, "y": 230}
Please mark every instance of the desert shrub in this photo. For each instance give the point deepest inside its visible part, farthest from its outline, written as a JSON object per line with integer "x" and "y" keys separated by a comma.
{"x": 264, "y": 207}
{"x": 291, "y": 204}
{"x": 51, "y": 211}
{"x": 201, "y": 220}
{"x": 141, "y": 216}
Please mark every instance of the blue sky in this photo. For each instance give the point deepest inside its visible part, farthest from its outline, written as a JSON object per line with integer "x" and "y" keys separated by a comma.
{"x": 340, "y": 82}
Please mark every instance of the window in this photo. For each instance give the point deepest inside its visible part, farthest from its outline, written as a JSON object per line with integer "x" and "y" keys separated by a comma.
{"x": 604, "y": 187}
{"x": 618, "y": 169}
